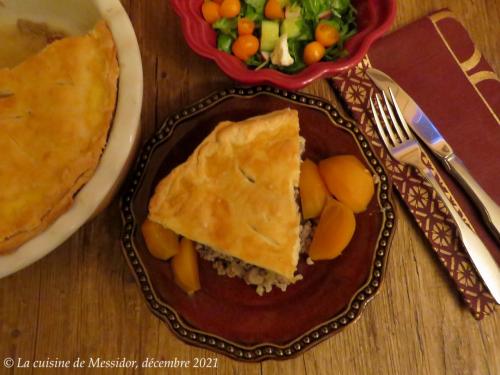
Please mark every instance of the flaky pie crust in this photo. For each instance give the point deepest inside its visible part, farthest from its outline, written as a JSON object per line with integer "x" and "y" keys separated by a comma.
{"x": 55, "y": 112}
{"x": 236, "y": 192}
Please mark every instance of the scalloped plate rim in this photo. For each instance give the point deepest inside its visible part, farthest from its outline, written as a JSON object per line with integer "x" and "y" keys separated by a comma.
{"x": 169, "y": 315}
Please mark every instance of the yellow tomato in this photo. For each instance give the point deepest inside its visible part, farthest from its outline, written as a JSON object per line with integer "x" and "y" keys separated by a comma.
{"x": 230, "y": 8}
{"x": 313, "y": 52}
{"x": 326, "y": 34}
{"x": 274, "y": 10}
{"x": 245, "y": 26}
{"x": 245, "y": 46}
{"x": 210, "y": 11}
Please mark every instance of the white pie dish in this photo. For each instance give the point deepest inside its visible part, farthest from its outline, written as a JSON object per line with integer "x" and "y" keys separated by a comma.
{"x": 77, "y": 17}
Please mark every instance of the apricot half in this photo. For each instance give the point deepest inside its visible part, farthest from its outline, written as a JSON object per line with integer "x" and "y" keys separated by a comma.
{"x": 313, "y": 192}
{"x": 334, "y": 232}
{"x": 185, "y": 267}
{"x": 348, "y": 180}
{"x": 161, "y": 242}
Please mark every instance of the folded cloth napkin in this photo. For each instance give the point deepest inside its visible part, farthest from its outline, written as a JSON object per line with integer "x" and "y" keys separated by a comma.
{"x": 437, "y": 64}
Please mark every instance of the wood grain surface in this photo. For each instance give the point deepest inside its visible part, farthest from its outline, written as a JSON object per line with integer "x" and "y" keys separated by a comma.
{"x": 82, "y": 301}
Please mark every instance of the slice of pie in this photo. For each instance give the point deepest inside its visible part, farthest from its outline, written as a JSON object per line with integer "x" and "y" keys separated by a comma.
{"x": 236, "y": 197}
{"x": 55, "y": 112}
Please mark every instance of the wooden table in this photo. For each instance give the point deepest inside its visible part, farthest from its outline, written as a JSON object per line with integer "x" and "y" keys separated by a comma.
{"x": 82, "y": 301}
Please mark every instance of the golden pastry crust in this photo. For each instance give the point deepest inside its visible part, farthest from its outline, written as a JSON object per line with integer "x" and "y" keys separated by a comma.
{"x": 55, "y": 112}
{"x": 236, "y": 192}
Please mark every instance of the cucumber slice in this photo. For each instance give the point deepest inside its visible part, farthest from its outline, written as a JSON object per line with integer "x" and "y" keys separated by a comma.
{"x": 291, "y": 27}
{"x": 270, "y": 34}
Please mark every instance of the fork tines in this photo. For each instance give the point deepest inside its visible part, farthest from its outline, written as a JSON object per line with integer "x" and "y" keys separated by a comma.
{"x": 395, "y": 131}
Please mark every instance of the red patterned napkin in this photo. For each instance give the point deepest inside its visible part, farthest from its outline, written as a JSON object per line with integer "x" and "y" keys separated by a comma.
{"x": 435, "y": 61}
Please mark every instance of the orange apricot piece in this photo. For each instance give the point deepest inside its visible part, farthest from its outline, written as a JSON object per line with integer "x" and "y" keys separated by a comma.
{"x": 185, "y": 267}
{"x": 348, "y": 180}
{"x": 334, "y": 231}
{"x": 161, "y": 242}
{"x": 313, "y": 192}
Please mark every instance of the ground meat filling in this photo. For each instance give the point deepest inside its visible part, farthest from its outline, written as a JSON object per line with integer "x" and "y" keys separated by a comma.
{"x": 264, "y": 280}
{"x": 306, "y": 235}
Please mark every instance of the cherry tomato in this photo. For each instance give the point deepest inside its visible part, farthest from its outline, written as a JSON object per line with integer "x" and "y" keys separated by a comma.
{"x": 230, "y": 8}
{"x": 326, "y": 34}
{"x": 211, "y": 11}
{"x": 245, "y": 26}
{"x": 217, "y": 1}
{"x": 245, "y": 46}
{"x": 313, "y": 52}
{"x": 273, "y": 10}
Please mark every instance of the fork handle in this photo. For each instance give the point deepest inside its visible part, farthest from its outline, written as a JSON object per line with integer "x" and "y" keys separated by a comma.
{"x": 487, "y": 206}
{"x": 480, "y": 256}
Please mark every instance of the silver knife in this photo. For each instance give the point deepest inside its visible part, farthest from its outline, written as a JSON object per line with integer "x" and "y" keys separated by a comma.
{"x": 427, "y": 132}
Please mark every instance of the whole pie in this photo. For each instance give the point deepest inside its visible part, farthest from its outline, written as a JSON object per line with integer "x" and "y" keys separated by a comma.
{"x": 236, "y": 195}
{"x": 56, "y": 108}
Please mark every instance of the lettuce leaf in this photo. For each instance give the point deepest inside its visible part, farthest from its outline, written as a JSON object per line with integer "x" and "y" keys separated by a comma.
{"x": 226, "y": 26}
{"x": 313, "y": 8}
{"x": 257, "y": 8}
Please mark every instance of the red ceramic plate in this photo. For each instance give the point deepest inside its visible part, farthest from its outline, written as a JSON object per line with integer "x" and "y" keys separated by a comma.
{"x": 374, "y": 18}
{"x": 227, "y": 315}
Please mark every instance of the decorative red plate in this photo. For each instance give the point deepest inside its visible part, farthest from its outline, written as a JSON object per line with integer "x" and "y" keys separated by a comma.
{"x": 374, "y": 18}
{"x": 226, "y": 315}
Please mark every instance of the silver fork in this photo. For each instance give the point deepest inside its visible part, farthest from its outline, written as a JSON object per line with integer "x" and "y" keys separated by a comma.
{"x": 404, "y": 148}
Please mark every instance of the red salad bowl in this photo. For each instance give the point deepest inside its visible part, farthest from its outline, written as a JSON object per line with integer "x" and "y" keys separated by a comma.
{"x": 374, "y": 17}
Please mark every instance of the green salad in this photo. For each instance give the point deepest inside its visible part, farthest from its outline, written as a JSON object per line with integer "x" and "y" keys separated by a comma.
{"x": 286, "y": 35}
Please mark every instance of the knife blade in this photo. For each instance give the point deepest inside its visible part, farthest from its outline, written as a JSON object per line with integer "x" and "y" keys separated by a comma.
{"x": 430, "y": 135}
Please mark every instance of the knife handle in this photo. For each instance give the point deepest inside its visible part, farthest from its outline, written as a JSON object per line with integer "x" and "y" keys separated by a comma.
{"x": 481, "y": 258}
{"x": 486, "y": 205}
